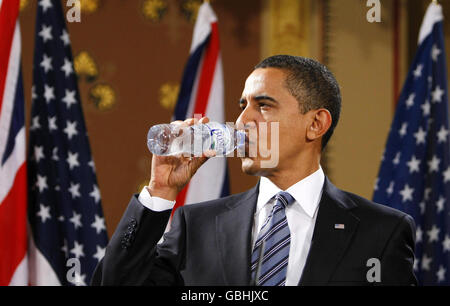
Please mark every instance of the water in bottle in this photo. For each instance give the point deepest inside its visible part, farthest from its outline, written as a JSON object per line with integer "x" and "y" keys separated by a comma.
{"x": 170, "y": 139}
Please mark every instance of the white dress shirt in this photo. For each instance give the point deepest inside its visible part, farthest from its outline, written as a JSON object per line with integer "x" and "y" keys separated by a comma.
{"x": 301, "y": 216}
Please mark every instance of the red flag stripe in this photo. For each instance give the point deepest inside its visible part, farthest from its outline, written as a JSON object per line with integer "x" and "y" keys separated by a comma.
{"x": 8, "y": 16}
{"x": 207, "y": 72}
{"x": 13, "y": 216}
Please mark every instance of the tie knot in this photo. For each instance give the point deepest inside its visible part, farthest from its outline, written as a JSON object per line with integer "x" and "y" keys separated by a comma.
{"x": 283, "y": 199}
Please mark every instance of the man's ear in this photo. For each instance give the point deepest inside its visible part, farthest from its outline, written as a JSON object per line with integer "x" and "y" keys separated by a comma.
{"x": 320, "y": 123}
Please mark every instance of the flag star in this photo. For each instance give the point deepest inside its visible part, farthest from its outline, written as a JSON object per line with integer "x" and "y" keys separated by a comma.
{"x": 442, "y": 134}
{"x": 46, "y": 33}
{"x": 41, "y": 183}
{"x": 420, "y": 136}
{"x": 67, "y": 67}
{"x": 416, "y": 264}
{"x": 46, "y": 63}
{"x": 61, "y": 218}
{"x": 430, "y": 82}
{"x": 65, "y": 249}
{"x": 99, "y": 224}
{"x": 418, "y": 72}
{"x": 437, "y": 94}
{"x": 419, "y": 234}
{"x": 406, "y": 193}
{"x": 57, "y": 188}
{"x": 69, "y": 98}
{"x": 440, "y": 204}
{"x": 446, "y": 244}
{"x": 95, "y": 193}
{"x": 76, "y": 220}
{"x": 440, "y": 274}
{"x": 55, "y": 154}
{"x": 72, "y": 159}
{"x": 413, "y": 165}
{"x": 49, "y": 93}
{"x": 79, "y": 280}
{"x": 92, "y": 165}
{"x": 446, "y": 175}
{"x": 71, "y": 129}
{"x": 46, "y": 4}
{"x": 433, "y": 234}
{"x": 433, "y": 164}
{"x": 422, "y": 207}
{"x": 426, "y": 107}
{"x": 74, "y": 190}
{"x": 390, "y": 189}
{"x": 77, "y": 250}
{"x": 52, "y": 124}
{"x": 65, "y": 38}
{"x": 410, "y": 101}
{"x": 427, "y": 193}
{"x": 100, "y": 253}
{"x": 44, "y": 212}
{"x": 33, "y": 93}
{"x": 396, "y": 160}
{"x": 35, "y": 123}
{"x": 38, "y": 153}
{"x": 435, "y": 51}
{"x": 375, "y": 187}
{"x": 426, "y": 261}
{"x": 402, "y": 131}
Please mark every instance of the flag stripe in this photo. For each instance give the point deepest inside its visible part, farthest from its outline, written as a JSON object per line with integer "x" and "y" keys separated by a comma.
{"x": 13, "y": 227}
{"x": 207, "y": 73}
{"x": 9, "y": 11}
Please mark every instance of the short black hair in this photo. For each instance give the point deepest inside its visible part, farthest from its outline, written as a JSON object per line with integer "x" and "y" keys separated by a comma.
{"x": 311, "y": 83}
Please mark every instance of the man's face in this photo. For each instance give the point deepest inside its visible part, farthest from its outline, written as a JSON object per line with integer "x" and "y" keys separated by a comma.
{"x": 266, "y": 100}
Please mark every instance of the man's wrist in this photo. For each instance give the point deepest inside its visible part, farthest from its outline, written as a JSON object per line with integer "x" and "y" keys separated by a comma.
{"x": 166, "y": 193}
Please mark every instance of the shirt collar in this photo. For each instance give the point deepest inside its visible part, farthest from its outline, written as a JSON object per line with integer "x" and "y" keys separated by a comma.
{"x": 307, "y": 192}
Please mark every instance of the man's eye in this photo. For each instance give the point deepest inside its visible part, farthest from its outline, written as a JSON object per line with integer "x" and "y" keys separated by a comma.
{"x": 242, "y": 106}
{"x": 263, "y": 105}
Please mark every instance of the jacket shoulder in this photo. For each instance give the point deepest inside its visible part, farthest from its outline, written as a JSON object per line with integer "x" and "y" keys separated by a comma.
{"x": 368, "y": 209}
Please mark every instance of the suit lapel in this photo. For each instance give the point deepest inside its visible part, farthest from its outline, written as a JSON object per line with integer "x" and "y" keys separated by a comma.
{"x": 233, "y": 231}
{"x": 328, "y": 243}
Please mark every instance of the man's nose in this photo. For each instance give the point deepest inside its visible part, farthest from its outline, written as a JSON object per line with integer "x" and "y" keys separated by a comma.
{"x": 246, "y": 118}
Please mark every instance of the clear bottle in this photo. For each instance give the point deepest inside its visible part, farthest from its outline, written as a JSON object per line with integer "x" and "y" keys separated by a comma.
{"x": 170, "y": 139}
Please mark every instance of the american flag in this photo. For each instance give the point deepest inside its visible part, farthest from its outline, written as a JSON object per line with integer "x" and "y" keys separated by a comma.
{"x": 65, "y": 210}
{"x": 415, "y": 170}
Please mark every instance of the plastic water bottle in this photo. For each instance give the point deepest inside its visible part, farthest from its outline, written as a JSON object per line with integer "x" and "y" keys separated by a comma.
{"x": 170, "y": 139}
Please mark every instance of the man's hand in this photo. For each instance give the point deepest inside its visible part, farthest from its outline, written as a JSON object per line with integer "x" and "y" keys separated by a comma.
{"x": 170, "y": 174}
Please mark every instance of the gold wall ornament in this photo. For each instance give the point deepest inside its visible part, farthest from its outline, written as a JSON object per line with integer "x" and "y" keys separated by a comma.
{"x": 88, "y": 6}
{"x": 85, "y": 65}
{"x": 154, "y": 10}
{"x": 168, "y": 95}
{"x": 23, "y": 5}
{"x": 285, "y": 27}
{"x": 103, "y": 96}
{"x": 189, "y": 8}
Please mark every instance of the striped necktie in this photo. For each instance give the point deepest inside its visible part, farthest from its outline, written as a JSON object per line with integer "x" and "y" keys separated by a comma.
{"x": 272, "y": 245}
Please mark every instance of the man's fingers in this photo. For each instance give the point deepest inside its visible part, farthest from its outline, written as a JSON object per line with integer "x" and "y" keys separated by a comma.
{"x": 204, "y": 120}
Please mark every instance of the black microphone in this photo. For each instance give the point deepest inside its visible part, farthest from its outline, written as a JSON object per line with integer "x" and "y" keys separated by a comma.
{"x": 255, "y": 281}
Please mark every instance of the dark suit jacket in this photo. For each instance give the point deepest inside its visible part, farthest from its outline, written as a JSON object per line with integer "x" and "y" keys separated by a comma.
{"x": 210, "y": 244}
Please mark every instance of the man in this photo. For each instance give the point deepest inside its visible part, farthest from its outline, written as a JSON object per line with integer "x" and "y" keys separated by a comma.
{"x": 293, "y": 228}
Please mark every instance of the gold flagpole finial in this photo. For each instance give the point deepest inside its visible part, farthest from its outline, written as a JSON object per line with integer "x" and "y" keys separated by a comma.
{"x": 435, "y": 2}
